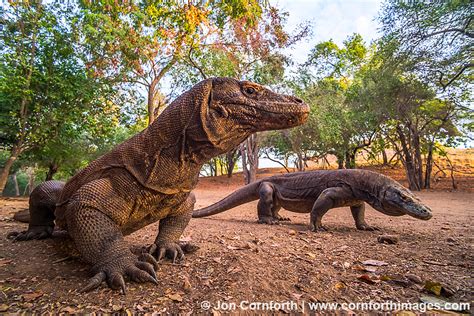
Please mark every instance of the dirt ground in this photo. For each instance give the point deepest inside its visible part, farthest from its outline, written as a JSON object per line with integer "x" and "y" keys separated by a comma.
{"x": 240, "y": 260}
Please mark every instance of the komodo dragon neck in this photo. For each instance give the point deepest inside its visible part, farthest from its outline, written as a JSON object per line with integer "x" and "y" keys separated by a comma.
{"x": 179, "y": 142}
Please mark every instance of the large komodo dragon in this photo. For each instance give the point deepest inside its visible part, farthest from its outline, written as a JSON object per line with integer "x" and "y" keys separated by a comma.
{"x": 319, "y": 191}
{"x": 149, "y": 177}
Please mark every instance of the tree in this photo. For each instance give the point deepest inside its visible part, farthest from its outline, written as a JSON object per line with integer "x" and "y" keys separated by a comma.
{"x": 438, "y": 36}
{"x": 337, "y": 124}
{"x": 140, "y": 42}
{"x": 410, "y": 115}
{"x": 43, "y": 83}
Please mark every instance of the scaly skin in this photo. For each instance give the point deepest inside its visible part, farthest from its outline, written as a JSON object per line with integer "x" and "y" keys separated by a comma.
{"x": 316, "y": 192}
{"x": 149, "y": 177}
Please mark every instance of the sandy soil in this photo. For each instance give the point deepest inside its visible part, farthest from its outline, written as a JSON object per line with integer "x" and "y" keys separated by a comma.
{"x": 241, "y": 260}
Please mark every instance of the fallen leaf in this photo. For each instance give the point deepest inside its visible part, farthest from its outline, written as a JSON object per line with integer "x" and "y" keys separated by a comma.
{"x": 175, "y": 297}
{"x": 433, "y": 287}
{"x": 311, "y": 255}
{"x": 396, "y": 279}
{"x": 4, "y": 262}
{"x": 414, "y": 278}
{"x": 292, "y": 232}
{"x": 28, "y": 297}
{"x": 367, "y": 279}
{"x": 342, "y": 248}
{"x": 4, "y": 307}
{"x": 296, "y": 295}
{"x": 217, "y": 259}
{"x": 364, "y": 268}
{"x": 339, "y": 286}
{"x": 69, "y": 309}
{"x": 186, "y": 284}
{"x": 438, "y": 289}
{"x": 374, "y": 263}
{"x": 434, "y": 301}
{"x": 388, "y": 239}
{"x": 116, "y": 308}
{"x": 385, "y": 278}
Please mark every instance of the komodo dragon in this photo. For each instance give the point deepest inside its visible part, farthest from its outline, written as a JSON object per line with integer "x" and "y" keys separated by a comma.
{"x": 150, "y": 177}
{"x": 318, "y": 191}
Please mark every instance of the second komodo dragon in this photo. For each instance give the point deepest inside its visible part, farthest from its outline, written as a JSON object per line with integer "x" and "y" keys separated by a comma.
{"x": 319, "y": 191}
{"x": 150, "y": 177}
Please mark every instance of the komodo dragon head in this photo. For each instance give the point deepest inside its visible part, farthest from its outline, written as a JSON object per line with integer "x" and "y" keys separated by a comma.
{"x": 399, "y": 201}
{"x": 251, "y": 106}
{"x": 230, "y": 110}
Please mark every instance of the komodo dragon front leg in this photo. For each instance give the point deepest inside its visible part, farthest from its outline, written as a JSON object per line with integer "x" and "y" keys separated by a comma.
{"x": 358, "y": 213}
{"x": 93, "y": 217}
{"x": 336, "y": 197}
{"x": 170, "y": 230}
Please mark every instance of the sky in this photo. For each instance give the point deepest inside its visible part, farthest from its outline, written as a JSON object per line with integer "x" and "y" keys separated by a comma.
{"x": 330, "y": 19}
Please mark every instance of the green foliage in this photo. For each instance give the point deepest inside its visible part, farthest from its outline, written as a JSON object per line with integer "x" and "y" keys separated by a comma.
{"x": 242, "y": 52}
{"x": 338, "y": 124}
{"x": 438, "y": 36}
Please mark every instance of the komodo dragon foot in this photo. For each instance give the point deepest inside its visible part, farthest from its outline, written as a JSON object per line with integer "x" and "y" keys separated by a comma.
{"x": 171, "y": 250}
{"x": 138, "y": 269}
{"x": 281, "y": 218}
{"x": 367, "y": 227}
{"x": 269, "y": 220}
{"x": 35, "y": 232}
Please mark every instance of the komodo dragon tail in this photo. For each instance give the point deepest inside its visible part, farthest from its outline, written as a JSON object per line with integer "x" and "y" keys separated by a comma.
{"x": 22, "y": 216}
{"x": 244, "y": 195}
{"x": 40, "y": 215}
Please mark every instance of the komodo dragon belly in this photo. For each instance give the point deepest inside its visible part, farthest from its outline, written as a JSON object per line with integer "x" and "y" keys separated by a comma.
{"x": 297, "y": 205}
{"x": 130, "y": 205}
{"x": 305, "y": 204}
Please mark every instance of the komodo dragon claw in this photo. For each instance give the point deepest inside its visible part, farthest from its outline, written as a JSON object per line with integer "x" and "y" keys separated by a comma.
{"x": 142, "y": 270}
{"x": 367, "y": 227}
{"x": 39, "y": 232}
{"x": 171, "y": 250}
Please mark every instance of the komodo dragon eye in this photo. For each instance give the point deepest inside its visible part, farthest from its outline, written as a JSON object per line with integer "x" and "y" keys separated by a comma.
{"x": 250, "y": 90}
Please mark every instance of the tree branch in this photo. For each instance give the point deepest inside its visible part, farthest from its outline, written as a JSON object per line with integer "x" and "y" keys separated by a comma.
{"x": 459, "y": 73}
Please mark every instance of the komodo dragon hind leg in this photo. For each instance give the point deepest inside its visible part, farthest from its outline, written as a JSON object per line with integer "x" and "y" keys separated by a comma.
{"x": 358, "y": 213}
{"x": 170, "y": 230}
{"x": 106, "y": 249}
{"x": 42, "y": 204}
{"x": 265, "y": 205}
{"x": 275, "y": 212}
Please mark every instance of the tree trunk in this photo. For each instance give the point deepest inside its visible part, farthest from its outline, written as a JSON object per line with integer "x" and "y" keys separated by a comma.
{"x": 429, "y": 166}
{"x": 408, "y": 163}
{"x": 231, "y": 158}
{"x": 300, "y": 162}
{"x": 340, "y": 162}
{"x": 384, "y": 157}
{"x": 418, "y": 158}
{"x": 15, "y": 184}
{"x": 151, "y": 101}
{"x": 6, "y": 169}
{"x": 350, "y": 160}
{"x": 249, "y": 152}
{"x": 31, "y": 180}
{"x": 52, "y": 170}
